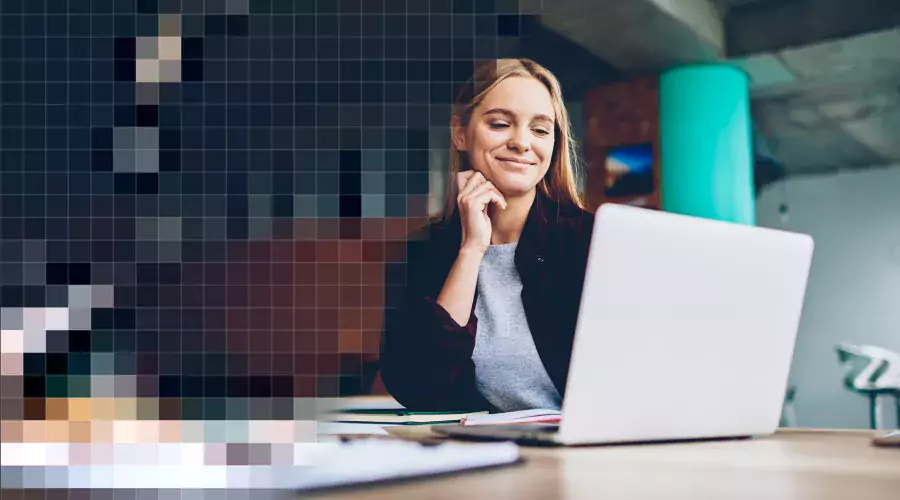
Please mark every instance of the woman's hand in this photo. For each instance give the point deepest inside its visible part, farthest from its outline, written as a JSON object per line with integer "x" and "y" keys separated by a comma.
{"x": 475, "y": 195}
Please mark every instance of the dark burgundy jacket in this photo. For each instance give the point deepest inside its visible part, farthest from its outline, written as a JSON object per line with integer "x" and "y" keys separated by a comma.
{"x": 426, "y": 356}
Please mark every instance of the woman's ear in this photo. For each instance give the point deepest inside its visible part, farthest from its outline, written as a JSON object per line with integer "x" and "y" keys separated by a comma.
{"x": 458, "y": 133}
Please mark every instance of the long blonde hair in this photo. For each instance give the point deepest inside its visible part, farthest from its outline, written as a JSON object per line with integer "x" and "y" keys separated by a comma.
{"x": 560, "y": 183}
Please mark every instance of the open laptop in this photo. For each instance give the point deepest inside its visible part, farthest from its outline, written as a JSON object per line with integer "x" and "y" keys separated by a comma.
{"x": 686, "y": 330}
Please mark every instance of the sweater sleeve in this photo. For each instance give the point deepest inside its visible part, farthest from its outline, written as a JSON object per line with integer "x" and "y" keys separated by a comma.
{"x": 426, "y": 356}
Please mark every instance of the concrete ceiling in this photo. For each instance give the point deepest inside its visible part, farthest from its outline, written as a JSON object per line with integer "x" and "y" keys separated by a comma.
{"x": 829, "y": 106}
{"x": 637, "y": 35}
{"x": 825, "y": 80}
{"x": 825, "y": 74}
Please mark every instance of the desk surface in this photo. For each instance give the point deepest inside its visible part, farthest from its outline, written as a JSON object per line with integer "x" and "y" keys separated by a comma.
{"x": 793, "y": 464}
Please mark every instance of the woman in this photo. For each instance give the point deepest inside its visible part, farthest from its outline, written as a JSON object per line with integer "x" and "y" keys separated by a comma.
{"x": 486, "y": 313}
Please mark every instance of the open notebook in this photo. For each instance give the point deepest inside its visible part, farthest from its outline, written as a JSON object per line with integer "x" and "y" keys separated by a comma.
{"x": 405, "y": 417}
{"x": 515, "y": 417}
{"x": 399, "y": 417}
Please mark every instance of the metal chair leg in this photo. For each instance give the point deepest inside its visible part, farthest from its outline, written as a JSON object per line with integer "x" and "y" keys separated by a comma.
{"x": 897, "y": 400}
{"x": 874, "y": 411}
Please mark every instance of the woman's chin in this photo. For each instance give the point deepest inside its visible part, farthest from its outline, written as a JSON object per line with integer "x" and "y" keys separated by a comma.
{"x": 515, "y": 190}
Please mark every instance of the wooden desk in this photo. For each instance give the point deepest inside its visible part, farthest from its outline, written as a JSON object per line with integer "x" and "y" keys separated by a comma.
{"x": 793, "y": 464}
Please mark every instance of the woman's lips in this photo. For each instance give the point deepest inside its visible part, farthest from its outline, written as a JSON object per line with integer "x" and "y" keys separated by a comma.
{"x": 516, "y": 163}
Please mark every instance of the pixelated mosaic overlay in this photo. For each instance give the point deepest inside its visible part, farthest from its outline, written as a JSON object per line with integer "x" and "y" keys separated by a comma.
{"x": 204, "y": 201}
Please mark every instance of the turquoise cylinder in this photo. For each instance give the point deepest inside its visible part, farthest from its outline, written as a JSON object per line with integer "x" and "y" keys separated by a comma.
{"x": 706, "y": 148}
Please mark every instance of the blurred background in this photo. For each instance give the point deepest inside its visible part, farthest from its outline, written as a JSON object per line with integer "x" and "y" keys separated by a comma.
{"x": 204, "y": 200}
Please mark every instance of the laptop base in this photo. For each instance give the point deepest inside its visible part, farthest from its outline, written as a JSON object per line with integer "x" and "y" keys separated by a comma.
{"x": 546, "y": 435}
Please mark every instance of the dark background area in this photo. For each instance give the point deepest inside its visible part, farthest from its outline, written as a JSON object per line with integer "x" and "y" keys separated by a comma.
{"x": 233, "y": 211}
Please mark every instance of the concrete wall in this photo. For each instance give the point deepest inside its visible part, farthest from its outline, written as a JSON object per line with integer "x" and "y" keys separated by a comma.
{"x": 854, "y": 287}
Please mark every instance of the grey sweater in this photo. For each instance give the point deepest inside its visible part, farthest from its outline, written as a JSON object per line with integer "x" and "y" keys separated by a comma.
{"x": 508, "y": 370}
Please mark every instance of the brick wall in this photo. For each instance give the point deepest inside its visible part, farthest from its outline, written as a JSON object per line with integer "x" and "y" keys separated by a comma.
{"x": 625, "y": 113}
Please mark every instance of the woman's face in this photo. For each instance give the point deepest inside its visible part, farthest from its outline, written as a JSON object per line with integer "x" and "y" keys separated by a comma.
{"x": 510, "y": 136}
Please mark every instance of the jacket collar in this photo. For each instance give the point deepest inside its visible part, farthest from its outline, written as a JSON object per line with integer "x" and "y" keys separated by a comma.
{"x": 535, "y": 239}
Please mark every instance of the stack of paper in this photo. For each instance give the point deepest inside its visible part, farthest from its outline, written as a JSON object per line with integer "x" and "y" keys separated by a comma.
{"x": 370, "y": 461}
{"x": 515, "y": 417}
{"x": 184, "y": 466}
{"x": 399, "y": 417}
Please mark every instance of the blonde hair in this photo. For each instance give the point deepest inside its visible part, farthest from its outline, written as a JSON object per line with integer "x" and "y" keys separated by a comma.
{"x": 560, "y": 183}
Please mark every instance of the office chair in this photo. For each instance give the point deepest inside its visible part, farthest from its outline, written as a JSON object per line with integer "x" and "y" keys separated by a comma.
{"x": 878, "y": 378}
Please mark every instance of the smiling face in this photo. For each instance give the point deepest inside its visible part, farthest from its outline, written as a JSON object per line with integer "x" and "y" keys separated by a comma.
{"x": 509, "y": 137}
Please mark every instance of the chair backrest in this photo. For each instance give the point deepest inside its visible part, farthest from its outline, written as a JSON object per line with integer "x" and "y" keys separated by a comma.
{"x": 881, "y": 370}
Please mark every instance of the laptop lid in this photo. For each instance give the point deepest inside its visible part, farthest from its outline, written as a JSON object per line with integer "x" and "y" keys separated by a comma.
{"x": 686, "y": 328}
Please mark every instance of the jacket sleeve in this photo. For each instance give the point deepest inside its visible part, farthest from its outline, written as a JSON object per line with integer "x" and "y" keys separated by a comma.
{"x": 426, "y": 356}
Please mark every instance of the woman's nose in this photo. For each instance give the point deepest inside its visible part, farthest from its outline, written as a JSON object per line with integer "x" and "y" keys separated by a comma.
{"x": 519, "y": 141}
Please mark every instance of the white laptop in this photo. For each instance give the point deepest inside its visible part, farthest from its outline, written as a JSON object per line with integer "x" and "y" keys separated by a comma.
{"x": 686, "y": 331}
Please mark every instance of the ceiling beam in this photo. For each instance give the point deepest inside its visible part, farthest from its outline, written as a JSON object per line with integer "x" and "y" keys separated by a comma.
{"x": 773, "y": 25}
{"x": 639, "y": 35}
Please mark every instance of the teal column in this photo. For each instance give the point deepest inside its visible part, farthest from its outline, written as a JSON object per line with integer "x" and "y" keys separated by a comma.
{"x": 706, "y": 156}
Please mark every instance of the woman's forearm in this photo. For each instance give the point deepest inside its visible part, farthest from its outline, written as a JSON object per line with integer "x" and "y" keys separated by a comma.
{"x": 458, "y": 292}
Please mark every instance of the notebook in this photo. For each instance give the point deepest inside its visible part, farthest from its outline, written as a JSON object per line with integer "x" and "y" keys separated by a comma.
{"x": 515, "y": 417}
{"x": 399, "y": 417}
{"x": 364, "y": 462}
{"x": 186, "y": 466}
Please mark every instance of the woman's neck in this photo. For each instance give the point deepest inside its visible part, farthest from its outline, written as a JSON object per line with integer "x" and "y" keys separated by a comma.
{"x": 507, "y": 225}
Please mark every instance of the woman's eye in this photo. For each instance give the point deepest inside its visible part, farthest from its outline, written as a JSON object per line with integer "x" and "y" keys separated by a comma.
{"x": 499, "y": 125}
{"x": 540, "y": 131}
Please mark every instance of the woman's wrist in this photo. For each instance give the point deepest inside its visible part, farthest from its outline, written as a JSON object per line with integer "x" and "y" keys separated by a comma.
{"x": 458, "y": 292}
{"x": 468, "y": 251}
